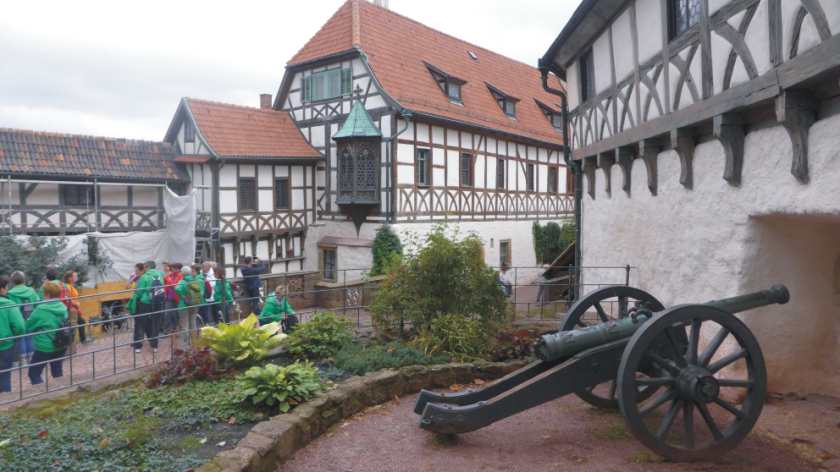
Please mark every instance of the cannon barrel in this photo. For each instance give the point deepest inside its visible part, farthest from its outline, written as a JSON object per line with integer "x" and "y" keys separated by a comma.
{"x": 564, "y": 344}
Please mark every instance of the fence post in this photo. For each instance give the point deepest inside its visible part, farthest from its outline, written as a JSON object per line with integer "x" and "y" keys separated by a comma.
{"x": 627, "y": 275}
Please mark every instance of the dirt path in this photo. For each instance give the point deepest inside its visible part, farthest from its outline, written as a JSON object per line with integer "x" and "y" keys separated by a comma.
{"x": 565, "y": 434}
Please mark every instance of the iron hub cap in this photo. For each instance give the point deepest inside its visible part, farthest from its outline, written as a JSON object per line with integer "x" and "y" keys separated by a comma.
{"x": 698, "y": 384}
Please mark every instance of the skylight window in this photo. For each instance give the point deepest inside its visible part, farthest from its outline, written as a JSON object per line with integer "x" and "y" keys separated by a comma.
{"x": 472, "y": 55}
{"x": 506, "y": 102}
{"x": 449, "y": 85}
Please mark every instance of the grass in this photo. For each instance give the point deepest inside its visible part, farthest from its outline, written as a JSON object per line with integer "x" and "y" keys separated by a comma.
{"x": 614, "y": 432}
{"x": 130, "y": 428}
{"x": 644, "y": 457}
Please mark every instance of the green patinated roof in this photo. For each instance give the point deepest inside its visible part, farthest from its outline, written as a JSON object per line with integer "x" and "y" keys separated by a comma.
{"x": 358, "y": 124}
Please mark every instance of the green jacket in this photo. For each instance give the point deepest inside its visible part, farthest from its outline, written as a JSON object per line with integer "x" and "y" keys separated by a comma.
{"x": 23, "y": 294}
{"x": 11, "y": 323}
{"x": 47, "y": 316}
{"x": 217, "y": 292}
{"x": 182, "y": 288}
{"x": 143, "y": 292}
{"x": 276, "y": 311}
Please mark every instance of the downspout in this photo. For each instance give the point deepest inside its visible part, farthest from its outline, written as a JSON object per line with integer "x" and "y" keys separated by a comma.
{"x": 577, "y": 168}
{"x": 406, "y": 116}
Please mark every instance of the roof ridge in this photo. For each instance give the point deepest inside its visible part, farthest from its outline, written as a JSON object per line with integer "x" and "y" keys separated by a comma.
{"x": 77, "y": 135}
{"x": 468, "y": 43}
{"x": 233, "y": 105}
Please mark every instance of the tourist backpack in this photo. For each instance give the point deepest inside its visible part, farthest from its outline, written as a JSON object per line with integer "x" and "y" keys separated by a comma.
{"x": 64, "y": 336}
{"x": 158, "y": 293}
{"x": 194, "y": 292}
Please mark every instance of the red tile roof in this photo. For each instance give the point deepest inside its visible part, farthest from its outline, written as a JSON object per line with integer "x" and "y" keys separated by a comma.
{"x": 235, "y": 131}
{"x": 37, "y": 154}
{"x": 396, "y": 48}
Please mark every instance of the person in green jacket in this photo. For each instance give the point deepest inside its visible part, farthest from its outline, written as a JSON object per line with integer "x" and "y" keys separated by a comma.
{"x": 222, "y": 288}
{"x": 147, "y": 315}
{"x": 204, "y": 310}
{"x": 48, "y": 316}
{"x": 11, "y": 324}
{"x": 26, "y": 298}
{"x": 278, "y": 308}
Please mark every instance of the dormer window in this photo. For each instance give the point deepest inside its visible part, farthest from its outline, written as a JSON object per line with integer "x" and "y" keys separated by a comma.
{"x": 554, "y": 117}
{"x": 449, "y": 85}
{"x": 189, "y": 132}
{"x": 506, "y": 102}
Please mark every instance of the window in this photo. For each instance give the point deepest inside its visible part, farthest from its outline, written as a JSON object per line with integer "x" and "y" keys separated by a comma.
{"x": 449, "y": 85}
{"x": 466, "y": 170}
{"x": 284, "y": 247}
{"x": 501, "y": 169}
{"x": 552, "y": 179}
{"x": 504, "y": 253}
{"x": 587, "y": 76}
{"x": 329, "y": 269}
{"x": 247, "y": 194}
{"x": 529, "y": 178}
{"x": 281, "y": 193}
{"x": 554, "y": 117}
{"x": 189, "y": 132}
{"x": 505, "y": 101}
{"x": 78, "y": 195}
{"x": 422, "y": 167}
{"x": 327, "y": 84}
{"x": 682, "y": 15}
{"x": 557, "y": 120}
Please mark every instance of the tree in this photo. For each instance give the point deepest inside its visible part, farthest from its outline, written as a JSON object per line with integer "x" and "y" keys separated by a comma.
{"x": 386, "y": 248}
{"x": 35, "y": 254}
{"x": 551, "y": 240}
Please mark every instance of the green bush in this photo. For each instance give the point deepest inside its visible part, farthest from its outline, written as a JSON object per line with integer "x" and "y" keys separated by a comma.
{"x": 551, "y": 239}
{"x": 279, "y": 388}
{"x": 445, "y": 276}
{"x": 359, "y": 360}
{"x": 319, "y": 338}
{"x": 461, "y": 337}
{"x": 386, "y": 249}
{"x": 243, "y": 343}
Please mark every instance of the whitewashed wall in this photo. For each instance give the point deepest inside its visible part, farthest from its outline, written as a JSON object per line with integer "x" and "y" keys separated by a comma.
{"x": 718, "y": 240}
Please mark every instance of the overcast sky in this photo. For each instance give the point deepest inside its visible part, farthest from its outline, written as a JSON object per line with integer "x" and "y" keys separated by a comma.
{"x": 117, "y": 68}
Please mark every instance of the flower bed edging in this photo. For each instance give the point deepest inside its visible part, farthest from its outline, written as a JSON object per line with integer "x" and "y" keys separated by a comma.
{"x": 271, "y": 442}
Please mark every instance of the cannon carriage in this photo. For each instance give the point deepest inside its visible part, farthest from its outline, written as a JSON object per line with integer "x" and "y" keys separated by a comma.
{"x": 619, "y": 348}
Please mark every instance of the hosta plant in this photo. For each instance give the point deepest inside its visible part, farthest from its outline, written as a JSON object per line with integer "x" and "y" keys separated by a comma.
{"x": 319, "y": 338}
{"x": 279, "y": 388}
{"x": 243, "y": 343}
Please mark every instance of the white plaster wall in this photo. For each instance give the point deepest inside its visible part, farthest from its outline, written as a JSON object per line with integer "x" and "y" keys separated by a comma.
{"x": 622, "y": 45}
{"x": 603, "y": 64}
{"x": 145, "y": 196}
{"x": 649, "y": 24}
{"x": 573, "y": 85}
{"x": 697, "y": 245}
{"x": 47, "y": 194}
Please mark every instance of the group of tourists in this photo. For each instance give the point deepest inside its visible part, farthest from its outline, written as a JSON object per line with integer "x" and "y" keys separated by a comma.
{"x": 39, "y": 327}
{"x": 36, "y": 327}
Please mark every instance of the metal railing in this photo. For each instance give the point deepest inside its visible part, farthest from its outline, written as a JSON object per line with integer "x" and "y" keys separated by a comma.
{"x": 112, "y": 349}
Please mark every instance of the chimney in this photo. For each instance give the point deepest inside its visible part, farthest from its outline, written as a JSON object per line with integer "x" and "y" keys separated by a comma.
{"x": 381, "y": 3}
{"x": 265, "y": 101}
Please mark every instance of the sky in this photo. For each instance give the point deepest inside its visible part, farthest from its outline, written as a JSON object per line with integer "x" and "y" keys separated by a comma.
{"x": 118, "y": 68}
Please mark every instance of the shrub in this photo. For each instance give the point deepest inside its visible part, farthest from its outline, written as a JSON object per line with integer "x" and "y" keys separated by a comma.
{"x": 462, "y": 337}
{"x": 359, "y": 360}
{"x": 319, "y": 338}
{"x": 445, "y": 276}
{"x": 280, "y": 388}
{"x": 185, "y": 366}
{"x": 551, "y": 239}
{"x": 243, "y": 343}
{"x": 386, "y": 249}
{"x": 513, "y": 344}
{"x": 35, "y": 254}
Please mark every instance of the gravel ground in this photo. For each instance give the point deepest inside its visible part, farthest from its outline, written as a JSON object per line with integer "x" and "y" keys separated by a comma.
{"x": 565, "y": 434}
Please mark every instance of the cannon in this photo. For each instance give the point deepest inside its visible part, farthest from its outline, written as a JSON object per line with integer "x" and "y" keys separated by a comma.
{"x": 690, "y": 381}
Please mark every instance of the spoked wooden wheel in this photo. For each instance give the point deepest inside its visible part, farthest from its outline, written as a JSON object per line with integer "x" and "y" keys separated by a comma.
{"x": 601, "y": 306}
{"x": 694, "y": 417}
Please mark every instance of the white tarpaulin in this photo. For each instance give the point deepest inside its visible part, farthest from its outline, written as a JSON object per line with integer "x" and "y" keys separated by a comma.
{"x": 175, "y": 243}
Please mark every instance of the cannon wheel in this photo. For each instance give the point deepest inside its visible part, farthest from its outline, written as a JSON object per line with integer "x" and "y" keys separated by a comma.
{"x": 601, "y": 306}
{"x": 691, "y": 419}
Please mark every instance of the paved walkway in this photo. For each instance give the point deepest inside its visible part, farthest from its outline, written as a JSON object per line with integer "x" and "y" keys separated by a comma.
{"x": 565, "y": 434}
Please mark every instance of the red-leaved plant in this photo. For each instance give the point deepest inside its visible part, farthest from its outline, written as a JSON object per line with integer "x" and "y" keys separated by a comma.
{"x": 193, "y": 364}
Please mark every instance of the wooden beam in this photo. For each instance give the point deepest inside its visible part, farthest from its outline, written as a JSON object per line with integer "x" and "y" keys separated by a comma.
{"x": 649, "y": 150}
{"x": 728, "y": 128}
{"x": 589, "y": 165}
{"x": 797, "y": 113}
{"x": 605, "y": 163}
{"x": 625, "y": 155}
{"x": 683, "y": 142}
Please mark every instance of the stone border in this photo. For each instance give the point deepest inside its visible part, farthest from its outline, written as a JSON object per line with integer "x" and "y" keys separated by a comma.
{"x": 271, "y": 442}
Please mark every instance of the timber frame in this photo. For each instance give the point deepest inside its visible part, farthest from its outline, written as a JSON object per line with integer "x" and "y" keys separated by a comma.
{"x": 650, "y": 110}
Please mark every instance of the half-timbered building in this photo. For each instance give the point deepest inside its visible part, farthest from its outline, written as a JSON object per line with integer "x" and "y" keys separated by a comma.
{"x": 707, "y": 135}
{"x": 253, "y": 174}
{"x": 420, "y": 128}
{"x": 59, "y": 184}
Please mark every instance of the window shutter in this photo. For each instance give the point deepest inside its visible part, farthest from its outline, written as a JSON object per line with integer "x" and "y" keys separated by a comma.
{"x": 346, "y": 81}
